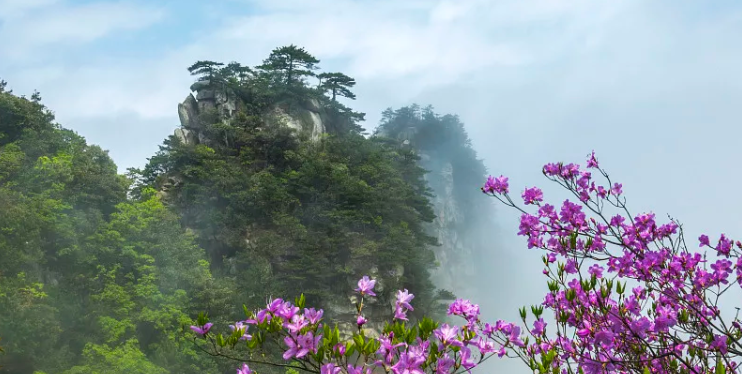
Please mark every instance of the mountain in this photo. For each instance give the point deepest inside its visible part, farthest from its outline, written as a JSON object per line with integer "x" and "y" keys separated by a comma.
{"x": 463, "y": 223}
{"x": 90, "y": 281}
{"x": 288, "y": 197}
{"x": 269, "y": 188}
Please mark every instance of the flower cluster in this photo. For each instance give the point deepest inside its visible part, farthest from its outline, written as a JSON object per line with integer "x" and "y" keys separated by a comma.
{"x": 401, "y": 349}
{"x": 626, "y": 294}
{"x": 668, "y": 322}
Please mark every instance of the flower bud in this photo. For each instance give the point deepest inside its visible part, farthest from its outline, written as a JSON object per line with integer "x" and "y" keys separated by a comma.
{"x": 360, "y": 321}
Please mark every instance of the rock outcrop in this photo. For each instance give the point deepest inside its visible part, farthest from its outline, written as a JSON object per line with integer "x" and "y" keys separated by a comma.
{"x": 453, "y": 250}
{"x": 214, "y": 104}
{"x": 459, "y": 245}
{"x": 306, "y": 119}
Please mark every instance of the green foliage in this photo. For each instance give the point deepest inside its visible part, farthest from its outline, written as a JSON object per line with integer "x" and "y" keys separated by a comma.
{"x": 337, "y": 84}
{"x": 289, "y": 65}
{"x": 287, "y": 216}
{"x": 101, "y": 273}
{"x": 296, "y": 217}
{"x": 206, "y": 69}
{"x": 19, "y": 117}
{"x": 444, "y": 140}
{"x": 126, "y": 358}
{"x": 89, "y": 281}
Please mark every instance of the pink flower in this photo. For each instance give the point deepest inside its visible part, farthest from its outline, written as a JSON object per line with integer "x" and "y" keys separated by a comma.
{"x": 202, "y": 330}
{"x": 366, "y": 286}
{"x": 244, "y": 369}
{"x": 496, "y": 185}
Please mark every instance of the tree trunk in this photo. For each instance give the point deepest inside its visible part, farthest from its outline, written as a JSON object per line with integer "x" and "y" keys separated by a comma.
{"x": 289, "y": 71}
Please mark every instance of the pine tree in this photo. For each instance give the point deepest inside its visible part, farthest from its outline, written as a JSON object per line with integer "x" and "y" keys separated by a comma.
{"x": 207, "y": 70}
{"x": 290, "y": 63}
{"x": 338, "y": 84}
{"x": 234, "y": 71}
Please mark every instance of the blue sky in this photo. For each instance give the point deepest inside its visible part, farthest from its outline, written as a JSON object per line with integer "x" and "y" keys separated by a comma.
{"x": 655, "y": 87}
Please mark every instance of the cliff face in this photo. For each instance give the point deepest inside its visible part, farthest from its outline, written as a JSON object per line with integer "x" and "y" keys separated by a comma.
{"x": 443, "y": 148}
{"x": 270, "y": 208}
{"x": 210, "y": 103}
{"x": 454, "y": 175}
{"x": 454, "y": 249}
{"x": 459, "y": 241}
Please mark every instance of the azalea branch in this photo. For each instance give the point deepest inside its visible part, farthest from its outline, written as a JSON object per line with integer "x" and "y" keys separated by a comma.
{"x": 218, "y": 353}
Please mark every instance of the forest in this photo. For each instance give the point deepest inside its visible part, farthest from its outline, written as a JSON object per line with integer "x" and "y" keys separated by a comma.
{"x": 104, "y": 272}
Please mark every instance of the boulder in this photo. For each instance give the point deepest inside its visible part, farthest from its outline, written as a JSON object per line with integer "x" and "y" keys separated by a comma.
{"x": 188, "y": 112}
{"x": 185, "y": 136}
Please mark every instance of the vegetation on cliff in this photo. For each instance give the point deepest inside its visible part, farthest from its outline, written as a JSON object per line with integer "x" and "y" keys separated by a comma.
{"x": 101, "y": 271}
{"x": 442, "y": 139}
{"x": 90, "y": 281}
{"x": 288, "y": 216}
{"x": 463, "y": 225}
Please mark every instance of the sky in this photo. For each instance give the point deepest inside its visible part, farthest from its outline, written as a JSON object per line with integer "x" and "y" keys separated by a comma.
{"x": 654, "y": 87}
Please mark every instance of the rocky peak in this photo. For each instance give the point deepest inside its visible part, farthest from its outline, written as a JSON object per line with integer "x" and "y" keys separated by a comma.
{"x": 453, "y": 248}
{"x": 451, "y": 205}
{"x": 211, "y": 97}
{"x": 306, "y": 119}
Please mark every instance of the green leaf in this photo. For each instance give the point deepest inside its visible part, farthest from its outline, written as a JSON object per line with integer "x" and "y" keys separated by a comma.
{"x": 368, "y": 346}
{"x": 411, "y": 335}
{"x": 358, "y": 339}
{"x": 573, "y": 240}
{"x": 300, "y": 301}
{"x": 720, "y": 368}
{"x": 349, "y": 349}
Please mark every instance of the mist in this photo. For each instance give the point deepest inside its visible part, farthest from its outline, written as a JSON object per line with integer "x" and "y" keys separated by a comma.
{"x": 653, "y": 88}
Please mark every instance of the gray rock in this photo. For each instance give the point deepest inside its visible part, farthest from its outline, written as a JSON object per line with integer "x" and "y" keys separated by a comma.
{"x": 318, "y": 127}
{"x": 279, "y": 117}
{"x": 315, "y": 126}
{"x": 185, "y": 136}
{"x": 200, "y": 85}
{"x": 188, "y": 112}
{"x": 313, "y": 105}
{"x": 206, "y": 94}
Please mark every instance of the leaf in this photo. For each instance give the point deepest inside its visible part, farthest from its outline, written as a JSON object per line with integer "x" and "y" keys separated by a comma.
{"x": 573, "y": 240}
{"x": 720, "y": 368}
{"x": 349, "y": 349}
{"x": 358, "y": 339}
{"x": 300, "y": 301}
{"x": 368, "y": 346}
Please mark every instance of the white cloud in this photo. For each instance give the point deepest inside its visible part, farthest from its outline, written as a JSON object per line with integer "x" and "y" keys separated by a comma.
{"x": 30, "y": 26}
{"x": 438, "y": 40}
{"x": 654, "y": 87}
{"x": 421, "y": 43}
{"x": 15, "y": 8}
